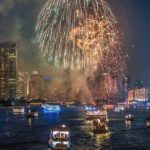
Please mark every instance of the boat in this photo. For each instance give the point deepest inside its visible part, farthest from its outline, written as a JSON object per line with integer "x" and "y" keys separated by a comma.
{"x": 99, "y": 120}
{"x": 31, "y": 114}
{"x": 100, "y": 125}
{"x": 147, "y": 122}
{"x": 119, "y": 109}
{"x": 129, "y": 117}
{"x": 89, "y": 108}
{"x": 19, "y": 110}
{"x": 60, "y": 138}
{"x": 90, "y": 115}
{"x": 51, "y": 108}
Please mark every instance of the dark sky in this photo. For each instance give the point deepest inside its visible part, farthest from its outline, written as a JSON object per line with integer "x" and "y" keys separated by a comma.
{"x": 134, "y": 20}
{"x": 18, "y": 19}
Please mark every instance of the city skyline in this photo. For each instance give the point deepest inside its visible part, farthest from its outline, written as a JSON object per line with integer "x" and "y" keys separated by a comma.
{"x": 74, "y": 74}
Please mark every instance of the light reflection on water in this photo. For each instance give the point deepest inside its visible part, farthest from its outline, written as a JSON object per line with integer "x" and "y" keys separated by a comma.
{"x": 19, "y": 132}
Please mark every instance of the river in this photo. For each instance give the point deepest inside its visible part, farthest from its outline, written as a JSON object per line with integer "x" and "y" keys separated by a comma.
{"x": 17, "y": 132}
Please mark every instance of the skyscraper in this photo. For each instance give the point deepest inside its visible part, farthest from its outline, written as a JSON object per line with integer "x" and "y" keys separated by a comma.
{"x": 46, "y": 86}
{"x": 35, "y": 85}
{"x": 8, "y": 70}
{"x": 22, "y": 84}
{"x": 39, "y": 85}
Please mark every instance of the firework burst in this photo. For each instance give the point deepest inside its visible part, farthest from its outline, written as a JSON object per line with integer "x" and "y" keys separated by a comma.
{"x": 79, "y": 34}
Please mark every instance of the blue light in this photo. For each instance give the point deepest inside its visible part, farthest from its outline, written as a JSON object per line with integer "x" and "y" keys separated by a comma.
{"x": 90, "y": 108}
{"x": 51, "y": 108}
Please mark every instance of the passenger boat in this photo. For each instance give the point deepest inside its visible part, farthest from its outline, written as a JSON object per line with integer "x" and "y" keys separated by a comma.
{"x": 31, "y": 114}
{"x": 98, "y": 119}
{"x": 60, "y": 138}
{"x": 129, "y": 117}
{"x": 100, "y": 125}
{"x": 51, "y": 108}
{"x": 90, "y": 115}
{"x": 19, "y": 110}
{"x": 147, "y": 122}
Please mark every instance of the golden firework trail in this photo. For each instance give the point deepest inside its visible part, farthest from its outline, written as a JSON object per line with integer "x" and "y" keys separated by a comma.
{"x": 80, "y": 34}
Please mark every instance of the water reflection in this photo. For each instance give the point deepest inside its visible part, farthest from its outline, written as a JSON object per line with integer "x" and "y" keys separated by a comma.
{"x": 29, "y": 121}
{"x": 100, "y": 139}
{"x": 128, "y": 124}
{"x": 33, "y": 133}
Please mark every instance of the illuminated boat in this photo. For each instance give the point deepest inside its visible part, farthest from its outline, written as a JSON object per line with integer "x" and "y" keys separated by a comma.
{"x": 60, "y": 138}
{"x": 51, "y": 108}
{"x": 100, "y": 125}
{"x": 31, "y": 114}
{"x": 119, "y": 109}
{"x": 90, "y": 108}
{"x": 98, "y": 119}
{"x": 147, "y": 122}
{"x": 19, "y": 110}
{"x": 129, "y": 117}
{"x": 90, "y": 115}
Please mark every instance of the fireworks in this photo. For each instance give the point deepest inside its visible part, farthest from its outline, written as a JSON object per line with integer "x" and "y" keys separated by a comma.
{"x": 79, "y": 34}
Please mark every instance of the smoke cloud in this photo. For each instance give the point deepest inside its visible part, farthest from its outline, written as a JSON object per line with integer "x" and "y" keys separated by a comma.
{"x": 17, "y": 23}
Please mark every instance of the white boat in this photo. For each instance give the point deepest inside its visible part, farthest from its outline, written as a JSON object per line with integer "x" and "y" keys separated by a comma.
{"x": 19, "y": 110}
{"x": 60, "y": 138}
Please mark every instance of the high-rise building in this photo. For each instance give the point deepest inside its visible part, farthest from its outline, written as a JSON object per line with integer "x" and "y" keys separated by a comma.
{"x": 125, "y": 87}
{"x": 8, "y": 70}
{"x": 35, "y": 85}
{"x": 46, "y": 86}
{"x": 22, "y": 84}
{"x": 127, "y": 82}
{"x": 39, "y": 85}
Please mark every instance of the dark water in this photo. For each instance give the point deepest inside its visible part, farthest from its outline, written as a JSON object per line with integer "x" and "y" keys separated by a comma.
{"x": 19, "y": 133}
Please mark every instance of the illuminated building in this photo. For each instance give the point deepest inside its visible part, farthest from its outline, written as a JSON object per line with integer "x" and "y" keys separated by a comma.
{"x": 35, "y": 85}
{"x": 8, "y": 70}
{"x": 22, "y": 84}
{"x": 130, "y": 96}
{"x": 139, "y": 95}
{"x": 39, "y": 85}
{"x": 126, "y": 83}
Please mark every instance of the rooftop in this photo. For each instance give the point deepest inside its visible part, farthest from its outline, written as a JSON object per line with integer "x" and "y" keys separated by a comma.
{"x": 8, "y": 44}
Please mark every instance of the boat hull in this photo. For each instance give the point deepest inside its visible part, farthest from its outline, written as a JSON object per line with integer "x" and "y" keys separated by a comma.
{"x": 59, "y": 146}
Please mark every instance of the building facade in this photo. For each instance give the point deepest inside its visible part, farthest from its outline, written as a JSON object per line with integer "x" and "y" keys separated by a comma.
{"x": 139, "y": 95}
{"x": 22, "y": 84}
{"x": 39, "y": 85}
{"x": 8, "y": 70}
{"x": 46, "y": 86}
{"x": 35, "y": 85}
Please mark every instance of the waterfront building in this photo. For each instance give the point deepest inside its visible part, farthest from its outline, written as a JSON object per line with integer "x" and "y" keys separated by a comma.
{"x": 46, "y": 86}
{"x": 39, "y": 86}
{"x": 35, "y": 85}
{"x": 22, "y": 84}
{"x": 8, "y": 70}
{"x": 138, "y": 95}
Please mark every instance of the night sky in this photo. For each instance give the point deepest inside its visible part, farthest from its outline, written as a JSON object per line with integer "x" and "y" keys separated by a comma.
{"x": 18, "y": 19}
